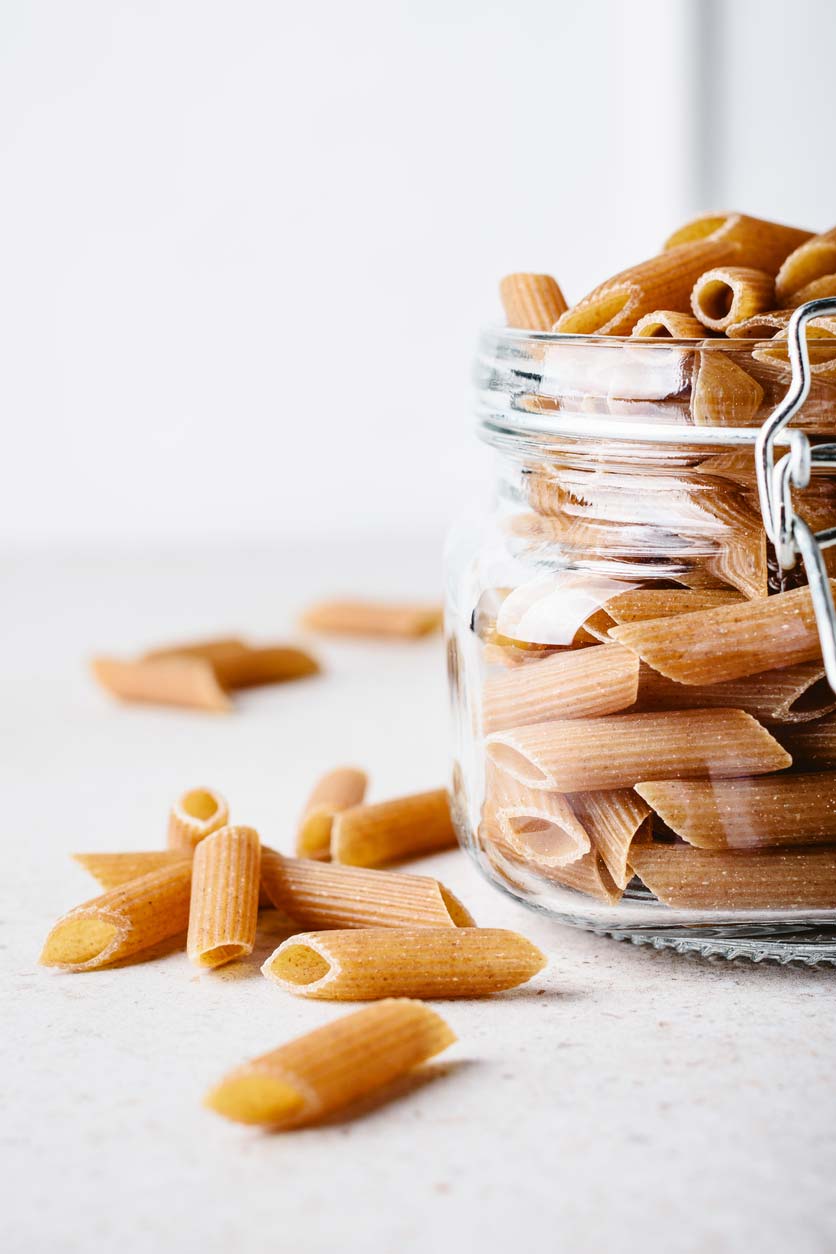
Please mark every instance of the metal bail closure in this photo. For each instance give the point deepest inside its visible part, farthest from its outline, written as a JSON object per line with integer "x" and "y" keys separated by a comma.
{"x": 790, "y": 534}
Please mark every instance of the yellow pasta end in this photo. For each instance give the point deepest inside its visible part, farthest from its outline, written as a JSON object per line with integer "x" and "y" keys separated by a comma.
{"x": 192, "y": 818}
{"x": 255, "y": 1098}
{"x": 74, "y": 942}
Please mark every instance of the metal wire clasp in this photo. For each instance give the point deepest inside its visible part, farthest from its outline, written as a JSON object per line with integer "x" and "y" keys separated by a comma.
{"x": 790, "y": 534}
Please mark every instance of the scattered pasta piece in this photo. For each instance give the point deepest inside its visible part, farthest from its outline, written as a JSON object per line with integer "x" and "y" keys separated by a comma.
{"x": 747, "y": 813}
{"x": 730, "y": 294}
{"x": 576, "y": 755}
{"x": 322, "y": 895}
{"x": 332, "y": 1066}
{"x": 338, "y": 790}
{"x": 122, "y": 922}
{"x": 273, "y": 664}
{"x": 184, "y": 681}
{"x": 112, "y": 869}
{"x": 224, "y": 897}
{"x": 373, "y": 618}
{"x": 369, "y": 836}
{"x": 194, "y": 816}
{"x": 364, "y": 965}
{"x": 532, "y": 301}
{"x": 811, "y": 260}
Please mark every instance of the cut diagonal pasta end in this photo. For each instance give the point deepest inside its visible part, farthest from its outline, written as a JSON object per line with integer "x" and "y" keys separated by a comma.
{"x": 79, "y": 941}
{"x": 255, "y": 1098}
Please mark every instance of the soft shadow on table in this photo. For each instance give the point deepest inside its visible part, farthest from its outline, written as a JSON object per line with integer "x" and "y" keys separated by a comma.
{"x": 397, "y": 1090}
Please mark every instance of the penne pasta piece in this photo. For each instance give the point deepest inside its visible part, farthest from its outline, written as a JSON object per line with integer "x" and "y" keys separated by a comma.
{"x": 794, "y": 694}
{"x": 644, "y": 603}
{"x": 662, "y": 282}
{"x": 587, "y": 875}
{"x": 373, "y": 618}
{"x": 112, "y": 869}
{"x": 274, "y": 664}
{"x": 194, "y": 816}
{"x": 811, "y": 745}
{"x": 535, "y": 825}
{"x": 729, "y": 294}
{"x": 821, "y": 348}
{"x": 224, "y": 900}
{"x": 583, "y": 682}
{"x": 407, "y": 827}
{"x": 614, "y": 819}
{"x": 367, "y": 964}
{"x": 747, "y": 813}
{"x": 817, "y": 289}
{"x": 730, "y": 641}
{"x": 751, "y": 241}
{"x": 723, "y": 394}
{"x": 185, "y": 681}
{"x": 327, "y": 1069}
{"x": 701, "y": 879}
{"x": 122, "y": 922}
{"x": 762, "y": 327}
{"x": 532, "y": 301}
{"x": 321, "y": 895}
{"x": 811, "y": 260}
{"x": 337, "y": 791}
{"x": 582, "y": 754}
{"x": 668, "y": 324}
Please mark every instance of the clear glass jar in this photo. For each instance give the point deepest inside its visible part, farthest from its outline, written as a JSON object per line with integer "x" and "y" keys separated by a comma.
{"x": 656, "y": 800}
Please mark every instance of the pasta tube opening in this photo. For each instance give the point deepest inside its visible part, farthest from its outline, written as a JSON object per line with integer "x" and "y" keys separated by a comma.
{"x": 299, "y": 963}
{"x": 509, "y": 759}
{"x": 78, "y": 940}
{"x": 200, "y": 804}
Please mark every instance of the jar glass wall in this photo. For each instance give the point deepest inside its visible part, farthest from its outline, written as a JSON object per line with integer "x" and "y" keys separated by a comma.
{"x": 645, "y": 740}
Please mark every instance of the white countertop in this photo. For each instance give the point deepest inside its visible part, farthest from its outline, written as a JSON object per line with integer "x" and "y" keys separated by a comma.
{"x": 627, "y": 1100}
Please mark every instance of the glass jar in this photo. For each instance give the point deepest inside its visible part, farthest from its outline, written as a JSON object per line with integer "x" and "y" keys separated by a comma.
{"x": 645, "y": 738}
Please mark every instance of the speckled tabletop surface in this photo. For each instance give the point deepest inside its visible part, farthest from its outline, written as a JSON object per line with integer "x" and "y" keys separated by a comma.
{"x": 626, "y": 1100}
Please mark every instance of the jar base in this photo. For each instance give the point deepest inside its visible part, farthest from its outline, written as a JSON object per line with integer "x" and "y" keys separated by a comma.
{"x": 814, "y": 948}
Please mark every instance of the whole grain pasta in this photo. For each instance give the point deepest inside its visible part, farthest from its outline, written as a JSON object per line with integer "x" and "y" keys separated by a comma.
{"x": 183, "y": 681}
{"x": 730, "y": 641}
{"x": 535, "y": 824}
{"x": 729, "y": 294}
{"x": 811, "y": 745}
{"x": 578, "y": 755}
{"x": 322, "y": 895}
{"x": 336, "y": 791}
{"x": 747, "y": 813}
{"x": 751, "y": 241}
{"x": 112, "y": 869}
{"x": 329, "y": 1068}
{"x": 584, "y": 682}
{"x": 373, "y": 618}
{"x": 794, "y": 694}
{"x": 194, "y": 816}
{"x": 372, "y": 835}
{"x": 532, "y": 301}
{"x": 816, "y": 289}
{"x": 364, "y": 965}
{"x": 701, "y": 879}
{"x": 587, "y": 875}
{"x": 614, "y": 820}
{"x": 812, "y": 259}
{"x": 224, "y": 897}
{"x": 643, "y": 603}
{"x": 723, "y": 393}
{"x": 668, "y": 324}
{"x": 762, "y": 326}
{"x": 271, "y": 664}
{"x": 122, "y": 922}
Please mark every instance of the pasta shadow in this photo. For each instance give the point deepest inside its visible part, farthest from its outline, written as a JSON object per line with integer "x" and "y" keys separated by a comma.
{"x": 402, "y": 1087}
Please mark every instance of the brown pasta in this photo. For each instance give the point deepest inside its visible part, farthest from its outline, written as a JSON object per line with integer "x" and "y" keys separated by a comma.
{"x": 811, "y": 260}
{"x": 373, "y": 618}
{"x": 747, "y": 813}
{"x": 273, "y": 664}
{"x": 762, "y": 327}
{"x": 214, "y": 650}
{"x": 584, "y": 682}
{"x": 729, "y": 294}
{"x": 364, "y": 965}
{"x": 662, "y": 282}
{"x": 644, "y": 603}
{"x": 194, "y": 816}
{"x": 224, "y": 898}
{"x": 327, "y": 1069}
{"x": 321, "y": 895}
{"x": 701, "y": 879}
{"x": 577, "y": 755}
{"x": 794, "y": 694}
{"x": 337, "y": 791}
{"x": 532, "y": 301}
{"x": 614, "y": 819}
{"x": 112, "y": 869}
{"x": 587, "y": 875}
{"x": 122, "y": 922}
{"x": 812, "y": 746}
{"x": 817, "y": 289}
{"x": 668, "y": 324}
{"x": 741, "y": 557}
{"x": 184, "y": 681}
{"x": 406, "y": 827}
{"x": 751, "y": 241}
{"x": 533, "y": 824}
{"x": 723, "y": 394}
{"x": 730, "y": 641}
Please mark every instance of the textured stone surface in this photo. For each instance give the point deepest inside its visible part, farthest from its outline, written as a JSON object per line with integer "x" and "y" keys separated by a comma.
{"x": 626, "y": 1100}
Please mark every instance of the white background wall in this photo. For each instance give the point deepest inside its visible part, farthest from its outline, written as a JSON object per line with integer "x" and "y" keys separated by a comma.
{"x": 248, "y": 243}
